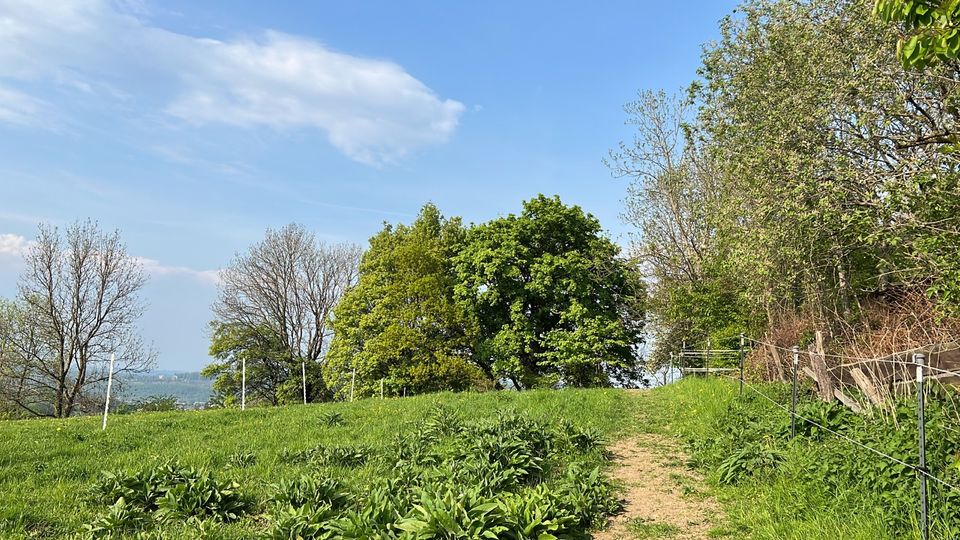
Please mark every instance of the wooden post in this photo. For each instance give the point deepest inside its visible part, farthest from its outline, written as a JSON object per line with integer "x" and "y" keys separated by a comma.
{"x": 353, "y": 383}
{"x": 106, "y": 404}
{"x": 866, "y": 385}
{"x": 818, "y": 364}
{"x": 777, "y": 362}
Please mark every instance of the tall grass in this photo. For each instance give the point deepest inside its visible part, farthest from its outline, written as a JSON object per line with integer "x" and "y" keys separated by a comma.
{"x": 777, "y": 489}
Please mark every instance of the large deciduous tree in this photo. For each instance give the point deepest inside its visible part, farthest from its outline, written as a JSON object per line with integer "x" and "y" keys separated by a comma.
{"x": 78, "y": 304}
{"x": 401, "y": 324}
{"x": 553, "y": 300}
{"x": 815, "y": 175}
{"x": 274, "y": 310}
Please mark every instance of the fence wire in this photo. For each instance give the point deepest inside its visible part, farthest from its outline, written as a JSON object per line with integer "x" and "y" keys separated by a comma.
{"x": 904, "y": 363}
{"x": 845, "y": 437}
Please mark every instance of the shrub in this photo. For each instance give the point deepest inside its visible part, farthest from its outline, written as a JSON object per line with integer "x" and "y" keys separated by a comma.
{"x": 587, "y": 495}
{"x": 121, "y": 517}
{"x": 301, "y": 523}
{"x": 166, "y": 492}
{"x": 311, "y": 490}
{"x": 453, "y": 512}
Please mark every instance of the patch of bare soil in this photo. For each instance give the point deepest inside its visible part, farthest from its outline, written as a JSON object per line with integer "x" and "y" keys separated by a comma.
{"x": 664, "y": 499}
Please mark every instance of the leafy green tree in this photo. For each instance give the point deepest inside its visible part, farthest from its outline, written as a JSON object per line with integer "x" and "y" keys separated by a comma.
{"x": 400, "y": 324}
{"x": 273, "y": 378}
{"x": 812, "y": 177}
{"x": 553, "y": 300}
{"x": 931, "y": 29}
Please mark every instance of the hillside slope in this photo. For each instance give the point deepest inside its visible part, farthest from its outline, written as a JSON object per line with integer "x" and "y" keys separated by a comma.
{"x": 49, "y": 468}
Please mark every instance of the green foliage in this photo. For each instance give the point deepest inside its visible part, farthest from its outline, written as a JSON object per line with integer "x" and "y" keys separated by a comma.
{"x": 272, "y": 376}
{"x": 809, "y": 176}
{"x": 454, "y": 514}
{"x": 149, "y": 404}
{"x": 414, "y": 445}
{"x": 120, "y": 518}
{"x": 553, "y": 301}
{"x": 817, "y": 482}
{"x": 240, "y": 460}
{"x": 168, "y": 492}
{"x": 932, "y": 29}
{"x": 301, "y": 523}
{"x": 400, "y": 323}
{"x": 312, "y": 490}
{"x": 327, "y": 455}
{"x": 588, "y": 496}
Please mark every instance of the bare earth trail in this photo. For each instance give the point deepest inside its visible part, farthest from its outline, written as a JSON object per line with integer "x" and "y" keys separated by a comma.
{"x": 663, "y": 498}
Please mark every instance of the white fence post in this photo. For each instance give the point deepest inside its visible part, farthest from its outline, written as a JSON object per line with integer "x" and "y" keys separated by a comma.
{"x": 303, "y": 373}
{"x": 106, "y": 404}
{"x": 243, "y": 385}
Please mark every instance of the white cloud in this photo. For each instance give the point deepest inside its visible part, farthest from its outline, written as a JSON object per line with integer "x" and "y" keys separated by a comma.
{"x": 13, "y": 245}
{"x": 371, "y": 110}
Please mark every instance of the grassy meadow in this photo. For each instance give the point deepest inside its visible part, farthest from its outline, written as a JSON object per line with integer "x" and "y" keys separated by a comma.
{"x": 48, "y": 468}
{"x": 816, "y": 486}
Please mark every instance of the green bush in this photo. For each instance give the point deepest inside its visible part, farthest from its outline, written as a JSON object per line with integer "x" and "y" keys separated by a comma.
{"x": 311, "y": 490}
{"x": 167, "y": 492}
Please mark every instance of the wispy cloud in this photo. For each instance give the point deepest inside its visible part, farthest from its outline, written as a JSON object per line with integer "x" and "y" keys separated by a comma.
{"x": 22, "y": 109}
{"x": 15, "y": 246}
{"x": 155, "y": 268}
{"x": 371, "y": 110}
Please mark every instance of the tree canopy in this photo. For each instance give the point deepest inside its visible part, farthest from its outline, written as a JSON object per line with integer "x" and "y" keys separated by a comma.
{"x": 930, "y": 29}
{"x": 274, "y": 311}
{"x": 400, "y": 324}
{"x": 806, "y": 181}
{"x": 553, "y": 301}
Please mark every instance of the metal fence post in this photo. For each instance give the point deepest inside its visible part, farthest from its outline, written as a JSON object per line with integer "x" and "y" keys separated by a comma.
{"x": 706, "y": 360}
{"x": 353, "y": 383}
{"x": 670, "y": 369}
{"x": 920, "y": 360}
{"x": 243, "y": 384}
{"x": 793, "y": 403}
{"x": 741, "y": 364}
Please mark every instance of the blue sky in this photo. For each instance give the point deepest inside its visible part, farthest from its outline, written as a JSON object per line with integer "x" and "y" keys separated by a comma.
{"x": 192, "y": 127}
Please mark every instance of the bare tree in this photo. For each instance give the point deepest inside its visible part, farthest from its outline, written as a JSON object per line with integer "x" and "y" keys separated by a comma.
{"x": 78, "y": 305}
{"x": 672, "y": 189}
{"x": 287, "y": 285}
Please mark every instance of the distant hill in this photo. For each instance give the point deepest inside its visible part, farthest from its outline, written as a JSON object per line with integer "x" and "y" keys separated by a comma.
{"x": 188, "y": 387}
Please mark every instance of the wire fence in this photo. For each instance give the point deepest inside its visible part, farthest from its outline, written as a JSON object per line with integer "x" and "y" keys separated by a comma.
{"x": 904, "y": 361}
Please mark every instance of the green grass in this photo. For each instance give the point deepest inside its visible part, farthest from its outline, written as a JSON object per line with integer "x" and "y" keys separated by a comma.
{"x": 47, "y": 467}
{"x": 642, "y": 529}
{"x": 792, "y": 502}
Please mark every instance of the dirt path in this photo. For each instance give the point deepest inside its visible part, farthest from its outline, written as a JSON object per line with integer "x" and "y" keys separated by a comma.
{"x": 663, "y": 498}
